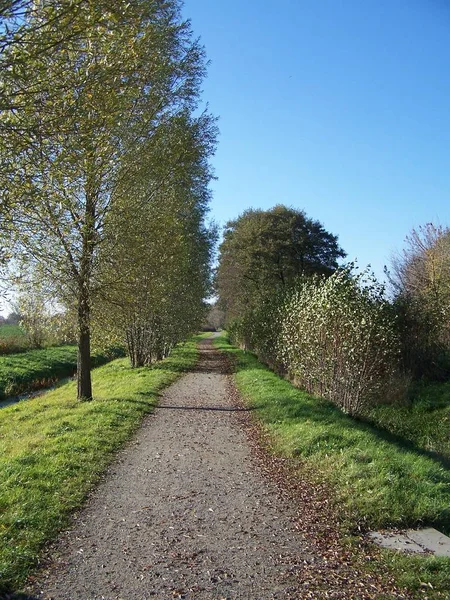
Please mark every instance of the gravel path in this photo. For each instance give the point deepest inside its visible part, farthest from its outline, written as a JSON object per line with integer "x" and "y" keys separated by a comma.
{"x": 183, "y": 513}
{"x": 194, "y": 508}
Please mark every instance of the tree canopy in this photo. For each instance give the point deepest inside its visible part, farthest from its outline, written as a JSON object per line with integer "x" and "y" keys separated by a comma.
{"x": 263, "y": 250}
{"x": 420, "y": 278}
{"x": 98, "y": 102}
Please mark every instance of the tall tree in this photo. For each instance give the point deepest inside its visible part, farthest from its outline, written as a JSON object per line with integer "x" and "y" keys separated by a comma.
{"x": 423, "y": 267}
{"x": 156, "y": 261}
{"x": 69, "y": 155}
{"x": 263, "y": 250}
{"x": 420, "y": 278}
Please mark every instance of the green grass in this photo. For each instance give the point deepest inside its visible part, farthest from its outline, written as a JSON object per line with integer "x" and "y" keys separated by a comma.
{"x": 378, "y": 481}
{"x": 53, "y": 449}
{"x": 35, "y": 369}
{"x": 423, "y": 422}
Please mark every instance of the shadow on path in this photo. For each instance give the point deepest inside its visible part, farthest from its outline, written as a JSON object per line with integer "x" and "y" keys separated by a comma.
{"x": 17, "y": 597}
{"x": 201, "y": 408}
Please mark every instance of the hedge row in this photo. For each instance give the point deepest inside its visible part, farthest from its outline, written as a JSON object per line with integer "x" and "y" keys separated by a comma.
{"x": 335, "y": 337}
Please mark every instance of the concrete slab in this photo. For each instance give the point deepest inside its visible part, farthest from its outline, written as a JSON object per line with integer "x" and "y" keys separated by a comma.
{"x": 432, "y": 540}
{"x": 418, "y": 541}
{"x": 394, "y": 541}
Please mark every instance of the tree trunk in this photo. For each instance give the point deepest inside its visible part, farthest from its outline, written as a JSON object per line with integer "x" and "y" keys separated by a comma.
{"x": 84, "y": 295}
{"x": 84, "y": 349}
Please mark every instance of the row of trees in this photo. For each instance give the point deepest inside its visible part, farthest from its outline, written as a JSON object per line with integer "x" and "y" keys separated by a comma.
{"x": 104, "y": 168}
{"x": 333, "y": 330}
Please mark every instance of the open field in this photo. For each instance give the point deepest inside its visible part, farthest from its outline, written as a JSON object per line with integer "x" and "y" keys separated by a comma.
{"x": 12, "y": 339}
{"x": 11, "y": 331}
{"x": 377, "y": 480}
{"x": 53, "y": 449}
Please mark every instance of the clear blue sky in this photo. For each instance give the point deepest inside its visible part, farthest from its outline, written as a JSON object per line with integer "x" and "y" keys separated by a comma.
{"x": 337, "y": 107}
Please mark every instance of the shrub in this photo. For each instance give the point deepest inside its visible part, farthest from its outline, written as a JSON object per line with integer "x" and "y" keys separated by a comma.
{"x": 240, "y": 331}
{"x": 338, "y": 339}
{"x": 425, "y": 351}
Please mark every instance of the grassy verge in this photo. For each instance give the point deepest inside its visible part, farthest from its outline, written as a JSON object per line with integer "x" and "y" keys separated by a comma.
{"x": 53, "y": 448}
{"x": 378, "y": 481}
{"x": 424, "y": 422}
{"x": 35, "y": 369}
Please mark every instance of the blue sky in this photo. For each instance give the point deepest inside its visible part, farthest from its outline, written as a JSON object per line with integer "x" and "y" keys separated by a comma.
{"x": 337, "y": 107}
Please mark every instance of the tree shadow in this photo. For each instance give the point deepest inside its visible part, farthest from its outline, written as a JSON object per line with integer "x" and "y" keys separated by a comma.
{"x": 16, "y": 596}
{"x": 207, "y": 408}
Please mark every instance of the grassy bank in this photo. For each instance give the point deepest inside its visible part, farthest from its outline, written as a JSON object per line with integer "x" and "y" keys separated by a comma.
{"x": 53, "y": 448}
{"x": 378, "y": 481}
{"x": 36, "y": 369}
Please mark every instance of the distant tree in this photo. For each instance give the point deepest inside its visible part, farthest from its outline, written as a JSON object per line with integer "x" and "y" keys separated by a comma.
{"x": 423, "y": 267}
{"x": 13, "y": 318}
{"x": 215, "y": 318}
{"x": 262, "y": 250}
{"x": 34, "y": 318}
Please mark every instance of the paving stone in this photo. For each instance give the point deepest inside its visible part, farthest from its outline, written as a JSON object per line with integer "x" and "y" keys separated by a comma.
{"x": 432, "y": 540}
{"x": 395, "y": 541}
{"x": 413, "y": 540}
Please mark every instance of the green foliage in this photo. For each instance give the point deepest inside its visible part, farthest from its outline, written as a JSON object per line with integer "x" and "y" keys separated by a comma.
{"x": 338, "y": 339}
{"x": 377, "y": 480}
{"x": 53, "y": 449}
{"x": 156, "y": 258}
{"x": 421, "y": 284}
{"x": 34, "y": 316}
{"x": 263, "y": 250}
{"x": 331, "y": 331}
{"x": 98, "y": 121}
{"x": 259, "y": 329}
{"x": 334, "y": 336}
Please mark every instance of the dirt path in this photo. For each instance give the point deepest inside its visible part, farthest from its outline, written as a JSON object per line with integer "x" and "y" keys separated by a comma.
{"x": 186, "y": 513}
